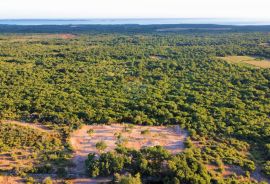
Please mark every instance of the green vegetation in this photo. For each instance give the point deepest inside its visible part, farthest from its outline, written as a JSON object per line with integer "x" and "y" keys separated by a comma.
{"x": 127, "y": 179}
{"x": 47, "y": 180}
{"x": 145, "y": 132}
{"x": 32, "y": 150}
{"x": 20, "y": 137}
{"x": 154, "y": 164}
{"x": 101, "y": 146}
{"x": 266, "y": 168}
{"x": 90, "y": 132}
{"x": 248, "y": 60}
{"x": 137, "y": 75}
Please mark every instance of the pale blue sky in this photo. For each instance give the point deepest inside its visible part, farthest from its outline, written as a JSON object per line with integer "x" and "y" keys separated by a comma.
{"x": 251, "y": 9}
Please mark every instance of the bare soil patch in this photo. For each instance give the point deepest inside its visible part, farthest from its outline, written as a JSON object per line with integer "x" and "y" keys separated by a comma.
{"x": 11, "y": 180}
{"x": 66, "y": 36}
{"x": 172, "y": 138}
{"x": 90, "y": 180}
{"x": 157, "y": 57}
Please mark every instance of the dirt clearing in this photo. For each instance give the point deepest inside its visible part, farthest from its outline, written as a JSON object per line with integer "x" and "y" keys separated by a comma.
{"x": 83, "y": 142}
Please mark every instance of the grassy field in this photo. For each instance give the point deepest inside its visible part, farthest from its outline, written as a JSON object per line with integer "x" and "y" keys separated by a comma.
{"x": 262, "y": 63}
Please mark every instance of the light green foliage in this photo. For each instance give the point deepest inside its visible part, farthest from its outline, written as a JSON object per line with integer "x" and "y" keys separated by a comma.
{"x": 47, "y": 180}
{"x": 30, "y": 180}
{"x": 101, "y": 146}
{"x": 90, "y": 132}
{"x": 128, "y": 179}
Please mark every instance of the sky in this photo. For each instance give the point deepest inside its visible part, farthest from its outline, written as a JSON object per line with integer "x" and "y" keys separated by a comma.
{"x": 38, "y": 9}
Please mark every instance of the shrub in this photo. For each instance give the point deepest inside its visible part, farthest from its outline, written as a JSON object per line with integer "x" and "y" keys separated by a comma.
{"x": 266, "y": 168}
{"x": 47, "y": 180}
{"x": 145, "y": 132}
{"x": 90, "y": 132}
{"x": 30, "y": 180}
{"x": 128, "y": 179}
{"x": 61, "y": 172}
{"x": 101, "y": 146}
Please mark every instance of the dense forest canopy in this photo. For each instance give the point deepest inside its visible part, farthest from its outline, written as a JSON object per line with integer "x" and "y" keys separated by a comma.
{"x": 131, "y": 28}
{"x": 136, "y": 74}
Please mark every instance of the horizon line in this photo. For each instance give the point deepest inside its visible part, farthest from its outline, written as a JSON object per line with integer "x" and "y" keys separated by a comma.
{"x": 140, "y": 18}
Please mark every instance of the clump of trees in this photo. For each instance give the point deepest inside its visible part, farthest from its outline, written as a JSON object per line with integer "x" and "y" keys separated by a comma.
{"x": 154, "y": 163}
{"x": 127, "y": 179}
{"x": 266, "y": 168}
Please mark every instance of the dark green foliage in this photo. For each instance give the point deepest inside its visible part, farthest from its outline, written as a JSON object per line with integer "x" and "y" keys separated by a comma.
{"x": 154, "y": 164}
{"x": 92, "y": 165}
{"x": 140, "y": 76}
{"x": 266, "y": 168}
{"x": 61, "y": 172}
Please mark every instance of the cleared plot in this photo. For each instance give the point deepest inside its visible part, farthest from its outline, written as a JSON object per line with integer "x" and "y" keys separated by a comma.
{"x": 190, "y": 28}
{"x": 157, "y": 57}
{"x": 255, "y": 61}
{"x": 35, "y": 37}
{"x": 84, "y": 141}
{"x": 265, "y": 44}
{"x": 90, "y": 180}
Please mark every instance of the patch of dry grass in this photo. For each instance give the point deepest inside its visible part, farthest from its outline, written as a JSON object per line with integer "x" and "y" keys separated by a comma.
{"x": 25, "y": 157}
{"x": 35, "y": 37}
{"x": 16, "y": 159}
{"x": 265, "y": 44}
{"x": 254, "y": 61}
